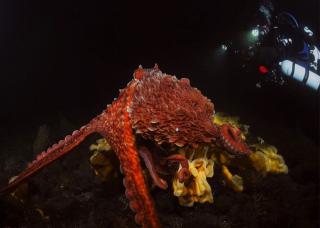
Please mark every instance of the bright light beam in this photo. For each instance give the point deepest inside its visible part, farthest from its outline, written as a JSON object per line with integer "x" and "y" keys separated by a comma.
{"x": 224, "y": 47}
{"x": 255, "y": 32}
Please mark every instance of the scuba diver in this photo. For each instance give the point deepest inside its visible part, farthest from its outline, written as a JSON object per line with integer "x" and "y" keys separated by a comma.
{"x": 281, "y": 47}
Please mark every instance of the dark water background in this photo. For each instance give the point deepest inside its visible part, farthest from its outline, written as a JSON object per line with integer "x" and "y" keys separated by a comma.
{"x": 62, "y": 63}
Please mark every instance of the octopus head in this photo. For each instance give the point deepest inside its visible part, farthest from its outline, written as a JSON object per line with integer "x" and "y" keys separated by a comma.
{"x": 165, "y": 109}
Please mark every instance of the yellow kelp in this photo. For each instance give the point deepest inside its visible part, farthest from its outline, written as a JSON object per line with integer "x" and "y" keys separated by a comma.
{"x": 265, "y": 159}
{"x": 101, "y": 160}
{"x": 220, "y": 118}
{"x": 202, "y": 161}
{"x": 197, "y": 189}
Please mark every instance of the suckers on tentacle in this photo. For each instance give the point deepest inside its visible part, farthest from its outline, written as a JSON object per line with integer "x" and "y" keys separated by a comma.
{"x": 124, "y": 144}
{"x": 51, "y": 154}
{"x": 231, "y": 140}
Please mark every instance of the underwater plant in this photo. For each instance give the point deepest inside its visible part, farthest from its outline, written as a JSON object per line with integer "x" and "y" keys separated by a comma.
{"x": 154, "y": 110}
{"x": 263, "y": 158}
{"x": 197, "y": 189}
{"x": 102, "y": 161}
{"x": 202, "y": 162}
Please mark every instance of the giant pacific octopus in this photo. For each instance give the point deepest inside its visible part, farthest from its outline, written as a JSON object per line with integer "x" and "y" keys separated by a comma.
{"x": 154, "y": 110}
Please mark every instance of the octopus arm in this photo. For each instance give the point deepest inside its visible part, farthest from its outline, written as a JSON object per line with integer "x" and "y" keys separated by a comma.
{"x": 50, "y": 155}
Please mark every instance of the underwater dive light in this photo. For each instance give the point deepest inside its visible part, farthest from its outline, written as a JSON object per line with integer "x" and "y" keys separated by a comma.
{"x": 224, "y": 47}
{"x": 255, "y": 32}
{"x": 300, "y": 73}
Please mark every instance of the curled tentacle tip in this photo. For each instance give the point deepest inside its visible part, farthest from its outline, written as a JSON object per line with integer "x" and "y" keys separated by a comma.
{"x": 232, "y": 141}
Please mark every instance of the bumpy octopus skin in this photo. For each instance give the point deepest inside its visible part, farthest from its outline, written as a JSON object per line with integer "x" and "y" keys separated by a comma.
{"x": 156, "y": 106}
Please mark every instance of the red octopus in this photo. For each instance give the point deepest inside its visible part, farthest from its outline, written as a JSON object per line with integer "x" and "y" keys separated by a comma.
{"x": 156, "y": 108}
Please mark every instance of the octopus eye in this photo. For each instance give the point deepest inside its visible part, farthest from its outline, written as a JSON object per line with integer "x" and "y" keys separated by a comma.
{"x": 231, "y": 134}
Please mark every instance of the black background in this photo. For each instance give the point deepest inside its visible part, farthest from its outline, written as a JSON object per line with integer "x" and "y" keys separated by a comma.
{"x": 71, "y": 57}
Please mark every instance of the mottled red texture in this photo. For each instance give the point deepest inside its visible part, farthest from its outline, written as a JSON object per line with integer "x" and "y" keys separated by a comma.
{"x": 165, "y": 109}
{"x": 159, "y": 107}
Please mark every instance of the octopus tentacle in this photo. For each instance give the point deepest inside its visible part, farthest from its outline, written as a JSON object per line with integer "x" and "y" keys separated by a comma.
{"x": 148, "y": 160}
{"x": 51, "y": 154}
{"x": 184, "y": 173}
{"x": 148, "y": 105}
{"x": 231, "y": 140}
{"x": 123, "y": 142}
{"x": 137, "y": 191}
